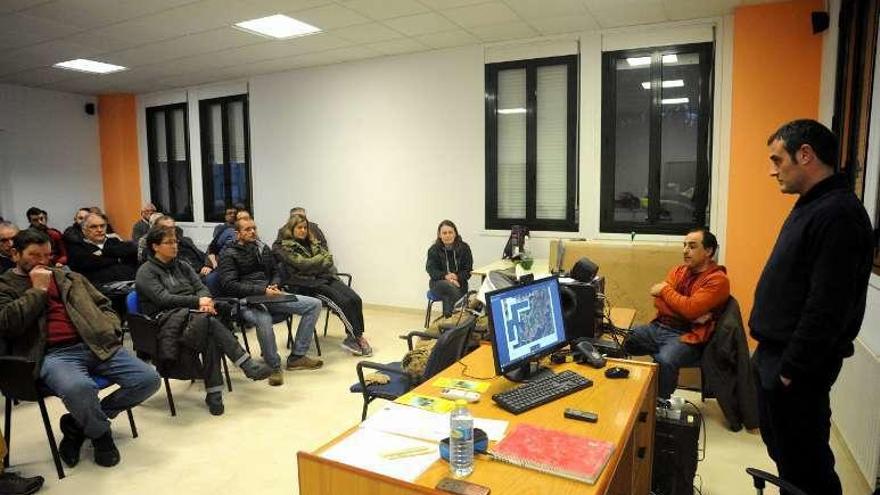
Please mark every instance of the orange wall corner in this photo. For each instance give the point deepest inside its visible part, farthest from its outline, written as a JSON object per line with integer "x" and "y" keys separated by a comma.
{"x": 120, "y": 164}
{"x": 777, "y": 64}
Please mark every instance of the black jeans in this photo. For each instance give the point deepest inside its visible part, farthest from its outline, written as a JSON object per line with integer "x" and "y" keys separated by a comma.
{"x": 796, "y": 424}
{"x": 448, "y": 294}
{"x": 219, "y": 341}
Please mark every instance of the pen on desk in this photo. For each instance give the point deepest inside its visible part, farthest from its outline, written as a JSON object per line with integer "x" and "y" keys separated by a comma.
{"x": 408, "y": 452}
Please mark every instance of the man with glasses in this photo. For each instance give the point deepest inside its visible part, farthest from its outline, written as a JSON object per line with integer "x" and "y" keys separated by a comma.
{"x": 7, "y": 232}
{"x": 109, "y": 263}
{"x": 38, "y": 219}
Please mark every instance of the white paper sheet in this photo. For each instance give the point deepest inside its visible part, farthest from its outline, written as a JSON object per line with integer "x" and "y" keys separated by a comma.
{"x": 425, "y": 425}
{"x": 365, "y": 447}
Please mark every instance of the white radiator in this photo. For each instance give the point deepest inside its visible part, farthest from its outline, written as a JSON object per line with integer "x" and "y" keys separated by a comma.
{"x": 855, "y": 406}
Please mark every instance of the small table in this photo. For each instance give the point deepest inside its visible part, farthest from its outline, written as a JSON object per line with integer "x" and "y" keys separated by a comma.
{"x": 540, "y": 266}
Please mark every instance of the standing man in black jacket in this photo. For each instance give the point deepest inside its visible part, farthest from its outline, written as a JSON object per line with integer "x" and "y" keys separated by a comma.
{"x": 809, "y": 304}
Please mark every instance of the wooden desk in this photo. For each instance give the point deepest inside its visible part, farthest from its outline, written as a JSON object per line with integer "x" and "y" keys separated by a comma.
{"x": 626, "y": 418}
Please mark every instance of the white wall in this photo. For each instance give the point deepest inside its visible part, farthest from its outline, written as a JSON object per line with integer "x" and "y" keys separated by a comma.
{"x": 378, "y": 152}
{"x": 49, "y": 154}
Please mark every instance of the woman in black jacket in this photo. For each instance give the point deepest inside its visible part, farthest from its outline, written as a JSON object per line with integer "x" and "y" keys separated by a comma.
{"x": 449, "y": 265}
{"x": 166, "y": 286}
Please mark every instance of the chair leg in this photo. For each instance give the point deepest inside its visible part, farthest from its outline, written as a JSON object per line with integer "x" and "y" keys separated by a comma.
{"x": 134, "y": 428}
{"x": 428, "y": 314}
{"x": 364, "y": 410}
{"x": 170, "y": 397}
{"x": 226, "y": 371}
{"x": 317, "y": 344}
{"x": 290, "y": 332}
{"x": 51, "y": 437}
{"x": 7, "y": 431}
{"x": 244, "y": 338}
{"x": 326, "y": 320}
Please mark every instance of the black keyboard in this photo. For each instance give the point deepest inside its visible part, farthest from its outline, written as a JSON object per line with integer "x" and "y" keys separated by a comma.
{"x": 533, "y": 394}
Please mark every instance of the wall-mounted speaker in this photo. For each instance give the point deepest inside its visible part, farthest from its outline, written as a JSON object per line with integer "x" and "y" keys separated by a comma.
{"x": 90, "y": 108}
{"x": 820, "y": 21}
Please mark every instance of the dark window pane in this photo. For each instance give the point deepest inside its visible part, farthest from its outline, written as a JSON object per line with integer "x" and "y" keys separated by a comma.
{"x": 680, "y": 113}
{"x": 632, "y": 131}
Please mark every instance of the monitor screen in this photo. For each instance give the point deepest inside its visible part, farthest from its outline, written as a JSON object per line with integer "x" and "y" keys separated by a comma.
{"x": 526, "y": 322}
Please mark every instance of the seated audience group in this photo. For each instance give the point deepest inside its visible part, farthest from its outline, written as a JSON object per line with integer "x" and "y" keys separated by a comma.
{"x": 62, "y": 303}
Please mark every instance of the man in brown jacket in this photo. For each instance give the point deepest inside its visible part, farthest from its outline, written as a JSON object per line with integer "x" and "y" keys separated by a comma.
{"x": 60, "y": 321}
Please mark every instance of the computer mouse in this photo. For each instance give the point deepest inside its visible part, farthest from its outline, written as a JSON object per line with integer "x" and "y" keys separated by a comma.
{"x": 585, "y": 353}
{"x": 617, "y": 372}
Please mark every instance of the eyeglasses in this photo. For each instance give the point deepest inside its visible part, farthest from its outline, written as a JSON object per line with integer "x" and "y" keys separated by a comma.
{"x": 97, "y": 226}
{"x": 6, "y": 239}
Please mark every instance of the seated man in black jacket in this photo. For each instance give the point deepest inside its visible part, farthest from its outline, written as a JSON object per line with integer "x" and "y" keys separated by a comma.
{"x": 168, "y": 288}
{"x": 248, "y": 268}
{"x": 109, "y": 263}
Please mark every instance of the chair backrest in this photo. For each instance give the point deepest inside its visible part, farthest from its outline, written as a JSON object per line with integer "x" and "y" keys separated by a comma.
{"x": 143, "y": 329}
{"x": 132, "y": 302}
{"x": 449, "y": 348}
{"x": 17, "y": 378}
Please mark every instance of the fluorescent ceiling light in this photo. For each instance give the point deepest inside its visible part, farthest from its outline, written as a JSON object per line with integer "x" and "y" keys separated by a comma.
{"x": 674, "y": 101}
{"x": 638, "y": 61}
{"x": 673, "y": 83}
{"x": 277, "y": 26}
{"x": 506, "y": 111}
{"x": 91, "y": 66}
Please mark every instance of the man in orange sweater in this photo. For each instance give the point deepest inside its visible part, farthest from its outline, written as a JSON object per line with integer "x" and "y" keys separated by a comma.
{"x": 688, "y": 303}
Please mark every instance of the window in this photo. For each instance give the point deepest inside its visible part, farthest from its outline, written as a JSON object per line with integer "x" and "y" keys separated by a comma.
{"x": 168, "y": 149}
{"x": 531, "y": 144}
{"x": 226, "y": 169}
{"x": 656, "y": 122}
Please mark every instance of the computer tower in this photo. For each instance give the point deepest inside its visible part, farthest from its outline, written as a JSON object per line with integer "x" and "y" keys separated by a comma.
{"x": 579, "y": 310}
{"x": 675, "y": 453}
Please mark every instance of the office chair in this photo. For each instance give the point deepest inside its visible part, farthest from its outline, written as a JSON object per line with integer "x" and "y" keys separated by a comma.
{"x": 449, "y": 348}
{"x": 17, "y": 383}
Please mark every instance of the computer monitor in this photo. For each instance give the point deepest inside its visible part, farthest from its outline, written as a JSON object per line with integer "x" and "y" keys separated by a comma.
{"x": 527, "y": 324}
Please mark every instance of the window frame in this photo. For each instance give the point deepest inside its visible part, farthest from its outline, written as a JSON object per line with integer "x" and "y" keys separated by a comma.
{"x": 492, "y": 221}
{"x": 153, "y": 163}
{"x": 703, "y": 182}
{"x": 207, "y": 174}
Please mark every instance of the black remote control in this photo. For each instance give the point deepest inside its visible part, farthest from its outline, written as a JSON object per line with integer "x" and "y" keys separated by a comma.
{"x": 589, "y": 417}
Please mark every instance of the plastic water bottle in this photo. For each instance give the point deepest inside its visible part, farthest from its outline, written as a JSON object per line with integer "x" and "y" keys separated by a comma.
{"x": 461, "y": 440}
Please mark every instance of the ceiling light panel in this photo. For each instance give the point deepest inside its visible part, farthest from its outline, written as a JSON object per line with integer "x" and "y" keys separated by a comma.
{"x": 278, "y": 26}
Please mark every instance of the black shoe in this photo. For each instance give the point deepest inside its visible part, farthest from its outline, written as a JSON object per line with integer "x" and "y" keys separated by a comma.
{"x": 72, "y": 442}
{"x": 214, "y": 400}
{"x": 255, "y": 370}
{"x": 13, "y": 484}
{"x": 106, "y": 453}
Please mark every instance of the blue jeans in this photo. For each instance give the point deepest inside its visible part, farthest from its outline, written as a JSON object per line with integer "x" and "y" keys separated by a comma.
{"x": 67, "y": 372}
{"x": 669, "y": 352}
{"x": 263, "y": 317}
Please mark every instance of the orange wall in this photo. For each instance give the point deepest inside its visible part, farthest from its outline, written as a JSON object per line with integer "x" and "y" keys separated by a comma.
{"x": 776, "y": 72}
{"x": 117, "y": 128}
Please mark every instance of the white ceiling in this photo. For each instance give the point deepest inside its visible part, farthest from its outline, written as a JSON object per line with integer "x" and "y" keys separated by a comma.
{"x": 174, "y": 43}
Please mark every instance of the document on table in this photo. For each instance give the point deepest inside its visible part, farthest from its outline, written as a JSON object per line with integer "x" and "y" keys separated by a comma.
{"x": 375, "y": 450}
{"x": 425, "y": 425}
